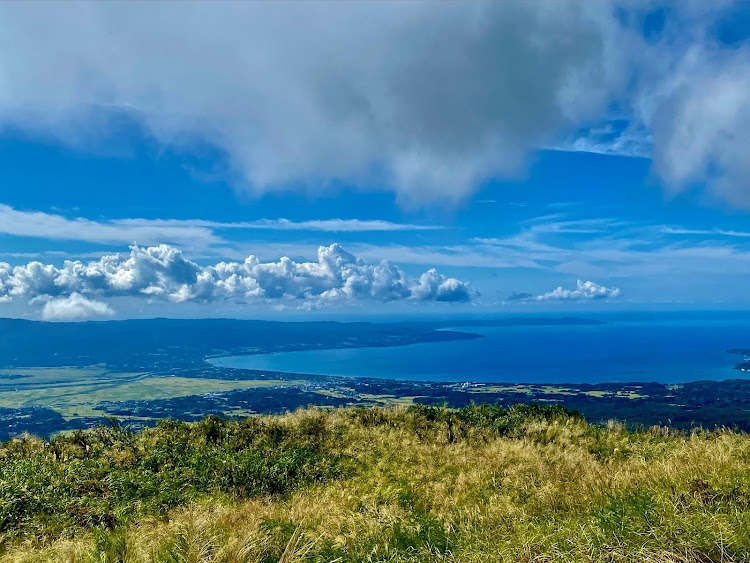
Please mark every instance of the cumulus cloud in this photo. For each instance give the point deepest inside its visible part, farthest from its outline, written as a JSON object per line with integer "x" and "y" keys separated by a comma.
{"x": 424, "y": 99}
{"x": 75, "y": 307}
{"x": 583, "y": 291}
{"x": 162, "y": 272}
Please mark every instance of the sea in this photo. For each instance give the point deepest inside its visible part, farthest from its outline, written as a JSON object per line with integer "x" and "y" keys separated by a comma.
{"x": 662, "y": 350}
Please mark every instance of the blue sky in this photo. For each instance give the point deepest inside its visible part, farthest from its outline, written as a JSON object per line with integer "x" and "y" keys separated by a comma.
{"x": 603, "y": 173}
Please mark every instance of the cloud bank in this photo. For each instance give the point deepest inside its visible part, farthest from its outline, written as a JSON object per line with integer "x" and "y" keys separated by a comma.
{"x": 583, "y": 291}
{"x": 162, "y": 272}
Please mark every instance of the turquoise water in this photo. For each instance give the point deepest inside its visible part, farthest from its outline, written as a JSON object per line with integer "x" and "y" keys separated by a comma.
{"x": 662, "y": 351}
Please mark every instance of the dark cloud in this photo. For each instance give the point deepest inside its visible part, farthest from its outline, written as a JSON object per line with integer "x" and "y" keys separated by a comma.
{"x": 425, "y": 99}
{"x": 436, "y": 97}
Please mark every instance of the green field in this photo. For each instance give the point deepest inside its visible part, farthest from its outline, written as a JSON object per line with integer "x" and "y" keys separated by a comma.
{"x": 76, "y": 391}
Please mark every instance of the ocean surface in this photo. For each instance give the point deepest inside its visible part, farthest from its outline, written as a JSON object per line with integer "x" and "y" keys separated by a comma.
{"x": 653, "y": 350}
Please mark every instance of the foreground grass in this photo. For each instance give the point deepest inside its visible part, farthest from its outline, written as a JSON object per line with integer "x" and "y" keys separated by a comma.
{"x": 419, "y": 484}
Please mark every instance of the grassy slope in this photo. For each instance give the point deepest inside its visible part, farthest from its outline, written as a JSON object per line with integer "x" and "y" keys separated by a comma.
{"x": 423, "y": 484}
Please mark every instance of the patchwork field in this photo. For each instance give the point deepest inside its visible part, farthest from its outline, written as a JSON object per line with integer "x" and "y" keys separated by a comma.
{"x": 44, "y": 401}
{"x": 75, "y": 391}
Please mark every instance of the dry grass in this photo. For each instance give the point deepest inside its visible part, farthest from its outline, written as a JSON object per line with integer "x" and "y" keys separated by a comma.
{"x": 558, "y": 491}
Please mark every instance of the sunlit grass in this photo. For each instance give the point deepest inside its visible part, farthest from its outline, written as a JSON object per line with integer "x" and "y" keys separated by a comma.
{"x": 428, "y": 485}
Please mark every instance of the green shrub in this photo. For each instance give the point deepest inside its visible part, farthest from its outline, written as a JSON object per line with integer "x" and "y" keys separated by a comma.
{"x": 107, "y": 477}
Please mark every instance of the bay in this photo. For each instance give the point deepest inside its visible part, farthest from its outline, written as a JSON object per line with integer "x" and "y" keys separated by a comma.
{"x": 659, "y": 350}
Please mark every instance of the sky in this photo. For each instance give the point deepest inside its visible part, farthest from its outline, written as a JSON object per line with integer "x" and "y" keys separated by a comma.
{"x": 329, "y": 159}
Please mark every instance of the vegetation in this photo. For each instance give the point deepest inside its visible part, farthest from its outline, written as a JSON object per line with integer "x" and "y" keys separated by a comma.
{"x": 75, "y": 387}
{"x": 423, "y": 483}
{"x": 44, "y": 401}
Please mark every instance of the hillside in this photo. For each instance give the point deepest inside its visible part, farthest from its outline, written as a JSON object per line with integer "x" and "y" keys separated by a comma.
{"x": 420, "y": 484}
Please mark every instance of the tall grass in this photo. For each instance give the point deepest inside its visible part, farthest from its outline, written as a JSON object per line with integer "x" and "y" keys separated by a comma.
{"x": 421, "y": 484}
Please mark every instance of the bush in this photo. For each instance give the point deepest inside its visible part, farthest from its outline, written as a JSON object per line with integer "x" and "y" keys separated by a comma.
{"x": 107, "y": 477}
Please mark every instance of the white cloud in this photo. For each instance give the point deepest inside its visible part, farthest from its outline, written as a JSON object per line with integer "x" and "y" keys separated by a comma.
{"x": 583, "y": 291}
{"x": 162, "y": 272}
{"x": 634, "y": 141}
{"x": 622, "y": 250}
{"x": 557, "y": 223}
{"x": 422, "y": 99}
{"x": 433, "y": 286}
{"x": 325, "y": 225}
{"x": 75, "y": 307}
{"x": 700, "y": 116}
{"x": 459, "y": 255}
{"x": 703, "y": 232}
{"x": 605, "y": 248}
{"x": 56, "y": 227}
{"x": 192, "y": 232}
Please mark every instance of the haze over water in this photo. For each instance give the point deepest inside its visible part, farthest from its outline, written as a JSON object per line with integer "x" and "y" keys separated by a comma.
{"x": 665, "y": 351}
